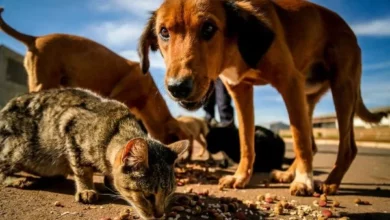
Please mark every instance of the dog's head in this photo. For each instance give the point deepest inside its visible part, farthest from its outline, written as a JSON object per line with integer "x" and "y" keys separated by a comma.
{"x": 198, "y": 39}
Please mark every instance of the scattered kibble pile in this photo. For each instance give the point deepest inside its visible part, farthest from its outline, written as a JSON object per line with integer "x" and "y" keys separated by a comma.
{"x": 201, "y": 205}
{"x": 196, "y": 173}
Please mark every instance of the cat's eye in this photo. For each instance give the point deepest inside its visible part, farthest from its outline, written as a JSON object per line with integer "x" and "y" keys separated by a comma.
{"x": 164, "y": 34}
{"x": 208, "y": 30}
{"x": 151, "y": 198}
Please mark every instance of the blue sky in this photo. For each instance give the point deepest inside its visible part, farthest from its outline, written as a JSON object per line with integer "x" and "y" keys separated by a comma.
{"x": 117, "y": 24}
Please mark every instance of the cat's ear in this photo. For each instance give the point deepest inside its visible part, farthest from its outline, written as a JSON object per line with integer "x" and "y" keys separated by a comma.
{"x": 179, "y": 147}
{"x": 135, "y": 153}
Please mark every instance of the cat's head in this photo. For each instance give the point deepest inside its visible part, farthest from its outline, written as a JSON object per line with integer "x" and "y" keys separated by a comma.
{"x": 144, "y": 174}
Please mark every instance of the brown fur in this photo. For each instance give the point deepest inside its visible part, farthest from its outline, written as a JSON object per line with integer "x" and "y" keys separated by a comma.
{"x": 298, "y": 47}
{"x": 198, "y": 129}
{"x": 61, "y": 60}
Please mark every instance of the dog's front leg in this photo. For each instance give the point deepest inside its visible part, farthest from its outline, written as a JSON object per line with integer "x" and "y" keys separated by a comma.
{"x": 292, "y": 91}
{"x": 242, "y": 95}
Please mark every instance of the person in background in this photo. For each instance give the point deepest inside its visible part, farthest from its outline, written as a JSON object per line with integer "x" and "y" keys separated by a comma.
{"x": 221, "y": 97}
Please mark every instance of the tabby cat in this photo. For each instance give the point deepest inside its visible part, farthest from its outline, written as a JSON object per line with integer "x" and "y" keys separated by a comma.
{"x": 73, "y": 131}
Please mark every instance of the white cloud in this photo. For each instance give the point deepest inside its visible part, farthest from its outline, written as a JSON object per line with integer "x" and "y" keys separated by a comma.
{"x": 378, "y": 27}
{"x": 156, "y": 60}
{"x": 377, "y": 66}
{"x": 116, "y": 34}
{"x": 135, "y": 7}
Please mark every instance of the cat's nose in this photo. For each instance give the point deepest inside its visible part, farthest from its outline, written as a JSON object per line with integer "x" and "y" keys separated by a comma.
{"x": 158, "y": 215}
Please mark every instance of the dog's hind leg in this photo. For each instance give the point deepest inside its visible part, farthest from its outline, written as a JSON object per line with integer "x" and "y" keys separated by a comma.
{"x": 41, "y": 75}
{"x": 312, "y": 100}
{"x": 345, "y": 94}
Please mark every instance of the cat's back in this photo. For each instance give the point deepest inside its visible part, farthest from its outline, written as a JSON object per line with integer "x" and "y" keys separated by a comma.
{"x": 47, "y": 112}
{"x": 35, "y": 104}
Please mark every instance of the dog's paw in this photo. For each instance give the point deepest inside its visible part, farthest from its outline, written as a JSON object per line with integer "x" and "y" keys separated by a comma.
{"x": 234, "y": 181}
{"x": 329, "y": 189}
{"x": 302, "y": 185}
{"x": 87, "y": 196}
{"x": 282, "y": 176}
{"x": 19, "y": 182}
{"x": 300, "y": 189}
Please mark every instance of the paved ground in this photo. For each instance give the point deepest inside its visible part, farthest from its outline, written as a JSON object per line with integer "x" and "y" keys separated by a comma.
{"x": 368, "y": 179}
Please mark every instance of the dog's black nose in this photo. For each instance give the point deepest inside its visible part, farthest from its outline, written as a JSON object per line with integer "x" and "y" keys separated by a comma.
{"x": 180, "y": 88}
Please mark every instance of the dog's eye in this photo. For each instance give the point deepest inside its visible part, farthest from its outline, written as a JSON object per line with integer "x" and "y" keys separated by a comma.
{"x": 208, "y": 30}
{"x": 164, "y": 34}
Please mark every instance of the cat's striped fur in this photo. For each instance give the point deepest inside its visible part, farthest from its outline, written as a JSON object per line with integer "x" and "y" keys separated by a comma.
{"x": 73, "y": 131}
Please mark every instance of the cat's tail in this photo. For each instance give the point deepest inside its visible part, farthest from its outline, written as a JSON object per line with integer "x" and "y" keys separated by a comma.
{"x": 28, "y": 40}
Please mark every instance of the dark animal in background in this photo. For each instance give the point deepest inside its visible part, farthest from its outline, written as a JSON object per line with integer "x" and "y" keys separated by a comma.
{"x": 269, "y": 147}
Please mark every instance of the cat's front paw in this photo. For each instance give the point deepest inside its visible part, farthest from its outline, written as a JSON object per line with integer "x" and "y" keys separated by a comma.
{"x": 87, "y": 196}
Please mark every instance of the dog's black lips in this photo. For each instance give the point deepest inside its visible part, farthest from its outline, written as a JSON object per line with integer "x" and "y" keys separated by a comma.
{"x": 192, "y": 106}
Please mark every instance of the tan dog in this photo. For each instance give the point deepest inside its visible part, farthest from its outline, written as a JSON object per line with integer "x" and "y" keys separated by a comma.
{"x": 197, "y": 129}
{"x": 298, "y": 47}
{"x": 59, "y": 60}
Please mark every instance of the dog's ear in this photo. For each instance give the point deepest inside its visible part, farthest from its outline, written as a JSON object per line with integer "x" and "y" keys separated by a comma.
{"x": 253, "y": 36}
{"x": 147, "y": 40}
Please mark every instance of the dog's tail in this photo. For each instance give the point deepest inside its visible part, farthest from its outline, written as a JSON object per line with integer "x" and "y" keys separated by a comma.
{"x": 365, "y": 114}
{"x": 26, "y": 39}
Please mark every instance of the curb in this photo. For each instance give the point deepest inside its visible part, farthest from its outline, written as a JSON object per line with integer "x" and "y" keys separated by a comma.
{"x": 369, "y": 144}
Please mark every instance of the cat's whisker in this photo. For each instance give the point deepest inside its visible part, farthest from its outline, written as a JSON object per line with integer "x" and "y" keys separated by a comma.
{"x": 111, "y": 190}
{"x": 112, "y": 195}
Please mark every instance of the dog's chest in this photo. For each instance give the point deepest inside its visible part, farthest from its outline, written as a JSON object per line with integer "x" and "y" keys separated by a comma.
{"x": 232, "y": 77}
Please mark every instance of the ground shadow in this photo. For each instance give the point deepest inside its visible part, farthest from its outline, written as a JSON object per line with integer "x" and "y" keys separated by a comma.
{"x": 367, "y": 184}
{"x": 369, "y": 216}
{"x": 260, "y": 179}
{"x": 201, "y": 172}
{"x": 384, "y": 193}
{"x": 375, "y": 153}
{"x": 67, "y": 187}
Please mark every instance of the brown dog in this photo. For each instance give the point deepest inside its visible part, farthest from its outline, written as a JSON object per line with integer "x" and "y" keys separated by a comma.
{"x": 59, "y": 60}
{"x": 298, "y": 47}
{"x": 197, "y": 129}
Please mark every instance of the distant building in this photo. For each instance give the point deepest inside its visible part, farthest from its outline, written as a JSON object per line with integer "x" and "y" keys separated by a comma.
{"x": 277, "y": 126}
{"x": 330, "y": 120}
{"x": 13, "y": 76}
